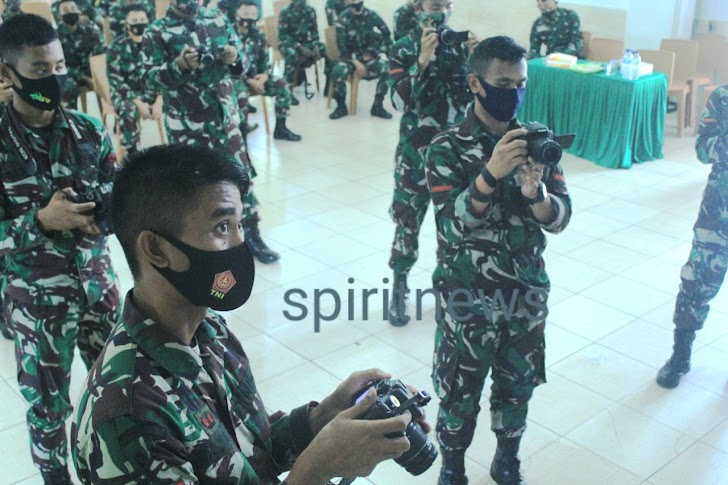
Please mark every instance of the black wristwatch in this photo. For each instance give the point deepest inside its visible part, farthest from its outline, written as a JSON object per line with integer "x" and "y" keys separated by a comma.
{"x": 540, "y": 195}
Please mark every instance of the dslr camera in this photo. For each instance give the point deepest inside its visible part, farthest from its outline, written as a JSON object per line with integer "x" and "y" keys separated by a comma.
{"x": 450, "y": 37}
{"x": 393, "y": 399}
{"x": 543, "y": 146}
{"x": 207, "y": 59}
{"x": 101, "y": 195}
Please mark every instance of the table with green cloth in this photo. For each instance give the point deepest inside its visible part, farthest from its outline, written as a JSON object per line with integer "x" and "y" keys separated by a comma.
{"x": 617, "y": 121}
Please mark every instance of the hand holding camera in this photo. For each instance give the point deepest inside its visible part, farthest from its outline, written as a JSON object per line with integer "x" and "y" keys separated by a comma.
{"x": 229, "y": 55}
{"x": 61, "y": 214}
{"x": 429, "y": 43}
{"x": 510, "y": 152}
{"x": 189, "y": 59}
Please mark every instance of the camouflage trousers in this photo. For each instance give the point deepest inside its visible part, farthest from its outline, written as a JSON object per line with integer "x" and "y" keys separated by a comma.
{"x": 703, "y": 275}
{"x": 511, "y": 347}
{"x": 411, "y": 197}
{"x": 275, "y": 87}
{"x": 292, "y": 58}
{"x": 222, "y": 135}
{"x": 45, "y": 338}
{"x": 377, "y": 67}
{"x": 130, "y": 128}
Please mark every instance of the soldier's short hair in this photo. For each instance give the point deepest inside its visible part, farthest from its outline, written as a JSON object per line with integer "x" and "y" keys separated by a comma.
{"x": 155, "y": 188}
{"x": 21, "y": 31}
{"x": 134, "y": 7}
{"x": 501, "y": 47}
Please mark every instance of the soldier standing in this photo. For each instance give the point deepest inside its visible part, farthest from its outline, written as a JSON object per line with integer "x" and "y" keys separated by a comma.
{"x": 299, "y": 42}
{"x": 492, "y": 206}
{"x": 191, "y": 50}
{"x": 334, "y": 9}
{"x": 405, "y": 19}
{"x": 258, "y": 80}
{"x": 705, "y": 271}
{"x": 558, "y": 29}
{"x": 133, "y": 101}
{"x": 363, "y": 39}
{"x": 430, "y": 89}
{"x": 79, "y": 41}
{"x": 61, "y": 287}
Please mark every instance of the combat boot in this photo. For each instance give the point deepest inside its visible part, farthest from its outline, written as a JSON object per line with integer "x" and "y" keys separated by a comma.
{"x": 340, "y": 111}
{"x": 283, "y": 133}
{"x": 294, "y": 100}
{"x": 258, "y": 248}
{"x": 506, "y": 467}
{"x": 399, "y": 317}
{"x": 378, "y": 109}
{"x": 59, "y": 476}
{"x": 453, "y": 468}
{"x": 679, "y": 363}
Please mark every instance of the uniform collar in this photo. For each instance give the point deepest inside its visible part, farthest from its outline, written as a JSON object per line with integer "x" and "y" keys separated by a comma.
{"x": 59, "y": 122}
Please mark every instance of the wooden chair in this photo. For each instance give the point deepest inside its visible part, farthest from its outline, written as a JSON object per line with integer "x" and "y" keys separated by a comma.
{"x": 721, "y": 79}
{"x": 161, "y": 7}
{"x": 279, "y": 5}
{"x": 270, "y": 28}
{"x": 686, "y": 70}
{"x": 40, "y": 8}
{"x": 106, "y": 26}
{"x": 711, "y": 54}
{"x": 333, "y": 53}
{"x": 586, "y": 38}
{"x": 605, "y": 50}
{"x": 664, "y": 62}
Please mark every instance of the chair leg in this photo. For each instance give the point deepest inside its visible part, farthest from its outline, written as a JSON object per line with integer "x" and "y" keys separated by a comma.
{"x": 84, "y": 107}
{"x": 354, "y": 95}
{"x": 318, "y": 83}
{"x": 162, "y": 132}
{"x": 265, "y": 114}
{"x": 681, "y": 105}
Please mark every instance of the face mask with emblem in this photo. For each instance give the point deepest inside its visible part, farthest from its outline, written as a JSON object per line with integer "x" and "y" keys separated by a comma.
{"x": 44, "y": 93}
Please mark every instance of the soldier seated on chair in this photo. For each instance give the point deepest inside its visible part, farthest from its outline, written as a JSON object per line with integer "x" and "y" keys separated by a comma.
{"x": 79, "y": 41}
{"x": 298, "y": 41}
{"x": 133, "y": 100}
{"x": 257, "y": 79}
{"x": 116, "y": 11}
{"x": 364, "y": 41}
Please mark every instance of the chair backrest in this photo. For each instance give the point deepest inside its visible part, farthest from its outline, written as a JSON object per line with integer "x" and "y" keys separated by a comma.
{"x": 664, "y": 62}
{"x": 605, "y": 50}
{"x": 270, "y": 28}
{"x": 279, "y": 5}
{"x": 40, "y": 8}
{"x": 100, "y": 78}
{"x": 586, "y": 38}
{"x": 711, "y": 53}
{"x": 332, "y": 48}
{"x": 686, "y": 57}
{"x": 721, "y": 74}
{"x": 161, "y": 7}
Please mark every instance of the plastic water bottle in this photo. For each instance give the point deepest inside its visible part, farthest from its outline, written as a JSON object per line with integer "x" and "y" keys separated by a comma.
{"x": 636, "y": 61}
{"x": 626, "y": 67}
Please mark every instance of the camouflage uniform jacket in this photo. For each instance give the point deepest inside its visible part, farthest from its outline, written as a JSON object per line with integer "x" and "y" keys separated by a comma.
{"x": 79, "y": 45}
{"x": 125, "y": 68}
{"x": 405, "y": 19}
{"x": 559, "y": 30}
{"x": 52, "y": 268}
{"x": 255, "y": 45}
{"x": 198, "y": 96}
{"x": 712, "y": 143}
{"x": 333, "y": 10}
{"x": 297, "y": 26}
{"x": 503, "y": 248}
{"x": 12, "y": 7}
{"x": 155, "y": 411}
{"x": 437, "y": 97}
{"x": 357, "y": 35}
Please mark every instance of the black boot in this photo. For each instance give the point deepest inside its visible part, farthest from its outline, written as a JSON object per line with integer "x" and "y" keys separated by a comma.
{"x": 679, "y": 363}
{"x": 294, "y": 100}
{"x": 252, "y": 109}
{"x": 340, "y": 111}
{"x": 378, "y": 109}
{"x": 283, "y": 133}
{"x": 260, "y": 251}
{"x": 398, "y": 311}
{"x": 453, "y": 468}
{"x": 506, "y": 467}
{"x": 59, "y": 476}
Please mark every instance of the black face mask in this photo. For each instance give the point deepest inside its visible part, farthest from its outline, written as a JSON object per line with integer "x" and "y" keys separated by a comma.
{"x": 44, "y": 93}
{"x": 357, "y": 7}
{"x": 70, "y": 18}
{"x": 138, "y": 29}
{"x": 221, "y": 280}
{"x": 247, "y": 23}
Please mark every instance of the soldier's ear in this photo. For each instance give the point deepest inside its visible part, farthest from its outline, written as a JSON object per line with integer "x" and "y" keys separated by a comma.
{"x": 6, "y": 74}
{"x": 153, "y": 249}
{"x": 474, "y": 84}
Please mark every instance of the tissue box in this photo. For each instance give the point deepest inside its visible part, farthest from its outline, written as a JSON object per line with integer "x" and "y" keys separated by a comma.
{"x": 646, "y": 69}
{"x": 561, "y": 60}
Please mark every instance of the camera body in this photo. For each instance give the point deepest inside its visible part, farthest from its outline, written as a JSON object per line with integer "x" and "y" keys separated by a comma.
{"x": 394, "y": 399}
{"x": 207, "y": 59}
{"x": 543, "y": 146}
{"x": 450, "y": 37}
{"x": 101, "y": 195}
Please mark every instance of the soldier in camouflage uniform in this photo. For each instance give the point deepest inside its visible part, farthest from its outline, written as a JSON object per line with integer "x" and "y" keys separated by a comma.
{"x": 133, "y": 100}
{"x": 298, "y": 42}
{"x": 558, "y": 29}
{"x": 190, "y": 51}
{"x": 87, "y": 10}
{"x": 405, "y": 19}
{"x": 116, "y": 11}
{"x": 79, "y": 41}
{"x": 61, "y": 287}
{"x": 12, "y": 7}
{"x": 492, "y": 206}
{"x": 172, "y": 398}
{"x": 334, "y": 9}
{"x": 429, "y": 87}
{"x": 702, "y": 276}
{"x": 6, "y": 95}
{"x": 364, "y": 40}
{"x": 258, "y": 79}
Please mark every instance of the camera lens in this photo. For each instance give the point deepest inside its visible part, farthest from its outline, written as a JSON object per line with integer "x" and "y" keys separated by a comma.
{"x": 422, "y": 452}
{"x": 546, "y": 151}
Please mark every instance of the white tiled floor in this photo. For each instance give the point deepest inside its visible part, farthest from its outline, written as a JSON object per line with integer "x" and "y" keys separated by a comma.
{"x": 601, "y": 419}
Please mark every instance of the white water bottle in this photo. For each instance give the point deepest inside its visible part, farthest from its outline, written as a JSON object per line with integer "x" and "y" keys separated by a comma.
{"x": 636, "y": 61}
{"x": 626, "y": 66}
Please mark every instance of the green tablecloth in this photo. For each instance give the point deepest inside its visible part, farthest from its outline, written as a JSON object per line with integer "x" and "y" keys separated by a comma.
{"x": 617, "y": 121}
